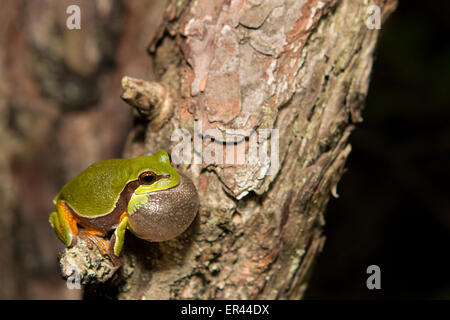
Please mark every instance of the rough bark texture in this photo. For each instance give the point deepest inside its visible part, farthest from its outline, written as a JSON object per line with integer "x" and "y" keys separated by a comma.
{"x": 301, "y": 67}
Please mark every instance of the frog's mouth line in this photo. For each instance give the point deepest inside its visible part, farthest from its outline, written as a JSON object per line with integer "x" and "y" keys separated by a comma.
{"x": 157, "y": 191}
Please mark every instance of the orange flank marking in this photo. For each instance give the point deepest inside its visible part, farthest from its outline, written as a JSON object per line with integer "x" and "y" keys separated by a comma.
{"x": 68, "y": 217}
{"x": 123, "y": 216}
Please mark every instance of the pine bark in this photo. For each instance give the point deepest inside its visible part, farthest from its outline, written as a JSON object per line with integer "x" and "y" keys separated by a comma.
{"x": 302, "y": 67}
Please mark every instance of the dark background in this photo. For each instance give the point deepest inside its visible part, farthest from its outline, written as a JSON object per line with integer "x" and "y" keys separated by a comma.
{"x": 394, "y": 210}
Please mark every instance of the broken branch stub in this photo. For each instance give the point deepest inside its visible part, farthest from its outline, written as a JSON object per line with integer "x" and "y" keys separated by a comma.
{"x": 152, "y": 100}
{"x": 83, "y": 263}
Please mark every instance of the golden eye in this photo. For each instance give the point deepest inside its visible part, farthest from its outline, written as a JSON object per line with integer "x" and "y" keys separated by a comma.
{"x": 147, "y": 177}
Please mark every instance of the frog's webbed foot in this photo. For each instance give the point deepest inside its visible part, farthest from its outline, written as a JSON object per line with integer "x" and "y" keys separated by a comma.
{"x": 92, "y": 239}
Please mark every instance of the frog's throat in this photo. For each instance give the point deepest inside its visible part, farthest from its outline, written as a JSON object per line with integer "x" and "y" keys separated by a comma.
{"x": 139, "y": 200}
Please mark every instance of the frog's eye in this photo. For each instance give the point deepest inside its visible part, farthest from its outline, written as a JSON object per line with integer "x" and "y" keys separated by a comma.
{"x": 147, "y": 177}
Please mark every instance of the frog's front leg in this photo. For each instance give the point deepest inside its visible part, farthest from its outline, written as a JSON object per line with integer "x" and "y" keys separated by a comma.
{"x": 64, "y": 224}
{"x": 118, "y": 237}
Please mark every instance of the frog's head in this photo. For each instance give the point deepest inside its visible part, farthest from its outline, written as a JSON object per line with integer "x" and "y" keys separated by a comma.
{"x": 154, "y": 173}
{"x": 165, "y": 203}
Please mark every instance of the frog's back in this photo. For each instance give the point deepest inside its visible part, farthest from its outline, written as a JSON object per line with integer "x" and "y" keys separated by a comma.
{"x": 95, "y": 191}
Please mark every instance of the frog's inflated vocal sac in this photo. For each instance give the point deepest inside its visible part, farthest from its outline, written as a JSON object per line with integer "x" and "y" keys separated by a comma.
{"x": 145, "y": 195}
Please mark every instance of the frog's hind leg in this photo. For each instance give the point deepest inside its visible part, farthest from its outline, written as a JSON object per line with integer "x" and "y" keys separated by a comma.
{"x": 64, "y": 224}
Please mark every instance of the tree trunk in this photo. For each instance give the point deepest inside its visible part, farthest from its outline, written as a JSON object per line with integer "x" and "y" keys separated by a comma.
{"x": 299, "y": 67}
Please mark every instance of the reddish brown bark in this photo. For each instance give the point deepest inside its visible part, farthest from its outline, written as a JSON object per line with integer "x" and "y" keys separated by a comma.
{"x": 301, "y": 67}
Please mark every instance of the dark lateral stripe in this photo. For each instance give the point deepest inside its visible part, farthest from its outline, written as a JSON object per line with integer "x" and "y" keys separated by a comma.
{"x": 109, "y": 220}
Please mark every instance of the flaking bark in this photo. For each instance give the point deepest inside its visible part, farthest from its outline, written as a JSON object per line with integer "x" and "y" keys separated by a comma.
{"x": 301, "y": 67}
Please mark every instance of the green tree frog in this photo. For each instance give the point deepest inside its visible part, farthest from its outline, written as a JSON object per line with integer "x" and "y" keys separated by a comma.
{"x": 145, "y": 195}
